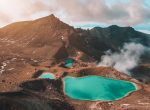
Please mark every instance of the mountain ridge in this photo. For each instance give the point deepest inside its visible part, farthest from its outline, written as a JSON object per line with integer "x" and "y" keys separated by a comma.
{"x": 51, "y": 33}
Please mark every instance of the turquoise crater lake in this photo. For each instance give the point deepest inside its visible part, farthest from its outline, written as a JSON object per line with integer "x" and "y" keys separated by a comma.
{"x": 47, "y": 76}
{"x": 97, "y": 88}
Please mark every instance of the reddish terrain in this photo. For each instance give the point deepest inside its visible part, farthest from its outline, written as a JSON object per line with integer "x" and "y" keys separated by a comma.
{"x": 32, "y": 47}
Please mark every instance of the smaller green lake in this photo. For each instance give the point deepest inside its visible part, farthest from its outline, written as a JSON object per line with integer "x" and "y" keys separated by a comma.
{"x": 69, "y": 62}
{"x": 97, "y": 88}
{"x": 47, "y": 76}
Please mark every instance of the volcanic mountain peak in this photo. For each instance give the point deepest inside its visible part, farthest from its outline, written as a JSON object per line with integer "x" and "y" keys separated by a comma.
{"x": 44, "y": 26}
{"x": 49, "y": 17}
{"x": 52, "y": 22}
{"x": 43, "y": 37}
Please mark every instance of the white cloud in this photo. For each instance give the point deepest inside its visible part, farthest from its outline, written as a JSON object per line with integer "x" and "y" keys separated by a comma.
{"x": 130, "y": 13}
{"x": 126, "y": 59}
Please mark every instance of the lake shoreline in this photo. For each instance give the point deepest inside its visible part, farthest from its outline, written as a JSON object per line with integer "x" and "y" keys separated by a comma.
{"x": 126, "y": 95}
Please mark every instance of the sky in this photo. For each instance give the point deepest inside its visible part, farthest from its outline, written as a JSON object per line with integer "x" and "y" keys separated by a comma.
{"x": 80, "y": 13}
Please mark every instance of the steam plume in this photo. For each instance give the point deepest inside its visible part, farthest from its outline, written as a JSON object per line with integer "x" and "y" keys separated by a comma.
{"x": 126, "y": 59}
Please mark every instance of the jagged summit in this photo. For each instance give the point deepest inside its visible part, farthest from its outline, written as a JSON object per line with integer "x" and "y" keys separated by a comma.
{"x": 52, "y": 16}
{"x": 50, "y": 21}
{"x": 42, "y": 25}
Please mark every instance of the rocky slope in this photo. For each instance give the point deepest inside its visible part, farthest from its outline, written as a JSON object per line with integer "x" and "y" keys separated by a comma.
{"x": 38, "y": 38}
{"x": 32, "y": 47}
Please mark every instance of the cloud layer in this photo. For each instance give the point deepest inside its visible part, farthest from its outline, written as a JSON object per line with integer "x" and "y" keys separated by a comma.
{"x": 131, "y": 12}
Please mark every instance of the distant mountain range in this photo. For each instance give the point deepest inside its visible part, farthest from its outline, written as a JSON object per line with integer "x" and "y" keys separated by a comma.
{"x": 48, "y": 37}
